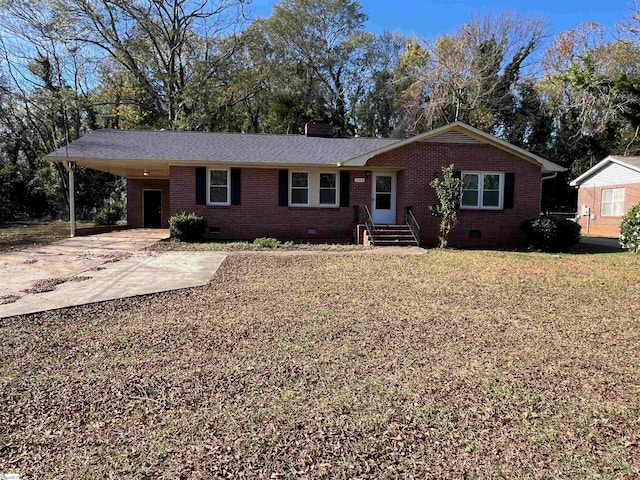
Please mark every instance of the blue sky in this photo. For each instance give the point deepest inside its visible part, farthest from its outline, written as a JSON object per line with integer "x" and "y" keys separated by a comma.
{"x": 427, "y": 19}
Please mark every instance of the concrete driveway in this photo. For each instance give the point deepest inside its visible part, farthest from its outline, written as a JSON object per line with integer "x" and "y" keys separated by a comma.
{"x": 95, "y": 268}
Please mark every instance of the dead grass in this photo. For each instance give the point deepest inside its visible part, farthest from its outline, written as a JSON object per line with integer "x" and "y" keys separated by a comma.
{"x": 447, "y": 365}
{"x": 16, "y": 237}
{"x": 171, "y": 245}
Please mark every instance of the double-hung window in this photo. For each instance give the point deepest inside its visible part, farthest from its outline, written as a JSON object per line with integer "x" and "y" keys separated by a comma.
{"x": 482, "y": 190}
{"x": 328, "y": 189}
{"x": 612, "y": 202}
{"x": 299, "y": 188}
{"x": 219, "y": 186}
{"x": 314, "y": 188}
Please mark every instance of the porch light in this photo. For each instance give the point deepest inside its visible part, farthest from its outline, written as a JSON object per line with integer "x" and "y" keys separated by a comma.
{"x": 145, "y": 173}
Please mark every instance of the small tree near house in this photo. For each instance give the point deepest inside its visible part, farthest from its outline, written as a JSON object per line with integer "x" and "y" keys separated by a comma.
{"x": 630, "y": 230}
{"x": 448, "y": 191}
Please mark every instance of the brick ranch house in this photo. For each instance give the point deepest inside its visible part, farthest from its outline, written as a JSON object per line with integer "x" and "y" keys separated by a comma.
{"x": 314, "y": 188}
{"x": 606, "y": 192}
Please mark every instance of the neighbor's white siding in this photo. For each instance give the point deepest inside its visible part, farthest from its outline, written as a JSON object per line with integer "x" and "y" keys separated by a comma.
{"x": 612, "y": 174}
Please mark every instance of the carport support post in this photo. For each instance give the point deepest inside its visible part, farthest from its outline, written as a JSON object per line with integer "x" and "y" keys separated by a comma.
{"x": 72, "y": 193}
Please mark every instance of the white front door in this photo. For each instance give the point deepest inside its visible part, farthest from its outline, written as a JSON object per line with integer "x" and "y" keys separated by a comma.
{"x": 383, "y": 203}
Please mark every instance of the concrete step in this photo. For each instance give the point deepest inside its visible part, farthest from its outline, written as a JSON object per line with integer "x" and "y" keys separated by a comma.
{"x": 392, "y": 232}
{"x": 381, "y": 226}
{"x": 393, "y": 235}
{"x": 395, "y": 242}
{"x": 386, "y": 229}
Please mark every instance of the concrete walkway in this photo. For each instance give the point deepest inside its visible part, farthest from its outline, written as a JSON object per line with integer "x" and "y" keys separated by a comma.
{"x": 91, "y": 269}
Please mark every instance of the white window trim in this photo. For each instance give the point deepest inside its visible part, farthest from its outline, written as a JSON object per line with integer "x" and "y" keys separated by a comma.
{"x": 313, "y": 187}
{"x": 481, "y": 175}
{"x": 228, "y": 202}
{"x": 612, "y": 202}
{"x": 291, "y": 188}
{"x": 337, "y": 202}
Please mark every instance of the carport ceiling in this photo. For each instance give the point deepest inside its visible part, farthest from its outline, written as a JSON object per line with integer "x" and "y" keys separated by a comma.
{"x": 126, "y": 168}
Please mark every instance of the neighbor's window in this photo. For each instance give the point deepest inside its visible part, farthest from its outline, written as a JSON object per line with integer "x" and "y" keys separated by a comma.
{"x": 613, "y": 202}
{"x": 218, "y": 187}
{"x": 482, "y": 190}
{"x": 328, "y": 188}
{"x": 299, "y": 188}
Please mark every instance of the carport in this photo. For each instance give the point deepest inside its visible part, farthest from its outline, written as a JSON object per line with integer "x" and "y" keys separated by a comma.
{"x": 147, "y": 180}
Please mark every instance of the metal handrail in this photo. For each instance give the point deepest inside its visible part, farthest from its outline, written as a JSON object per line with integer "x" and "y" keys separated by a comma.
{"x": 370, "y": 225}
{"x": 412, "y": 223}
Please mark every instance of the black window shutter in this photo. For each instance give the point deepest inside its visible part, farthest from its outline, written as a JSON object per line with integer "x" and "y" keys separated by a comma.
{"x": 345, "y": 184}
{"x": 235, "y": 186}
{"x": 509, "y": 189}
{"x": 283, "y": 188}
{"x": 457, "y": 174}
{"x": 201, "y": 185}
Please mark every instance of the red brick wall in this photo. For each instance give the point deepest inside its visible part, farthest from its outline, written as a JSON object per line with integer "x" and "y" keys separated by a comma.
{"x": 259, "y": 213}
{"x": 422, "y": 162}
{"x": 134, "y": 200}
{"x": 605, "y": 226}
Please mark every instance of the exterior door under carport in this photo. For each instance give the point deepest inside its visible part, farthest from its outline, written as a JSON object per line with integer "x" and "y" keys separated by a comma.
{"x": 152, "y": 208}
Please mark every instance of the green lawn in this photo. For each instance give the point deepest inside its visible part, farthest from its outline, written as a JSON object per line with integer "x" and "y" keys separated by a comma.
{"x": 453, "y": 364}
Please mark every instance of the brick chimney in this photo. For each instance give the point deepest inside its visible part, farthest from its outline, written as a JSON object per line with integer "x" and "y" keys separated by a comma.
{"x": 318, "y": 129}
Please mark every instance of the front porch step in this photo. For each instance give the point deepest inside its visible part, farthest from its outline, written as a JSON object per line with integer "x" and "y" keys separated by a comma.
{"x": 396, "y": 243}
{"x": 381, "y": 226}
{"x": 393, "y": 235}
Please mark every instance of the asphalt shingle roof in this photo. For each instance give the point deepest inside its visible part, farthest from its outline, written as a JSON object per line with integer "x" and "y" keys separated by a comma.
{"x": 111, "y": 144}
{"x": 634, "y": 161}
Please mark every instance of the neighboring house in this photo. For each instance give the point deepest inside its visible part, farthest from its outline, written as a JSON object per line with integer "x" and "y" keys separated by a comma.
{"x": 606, "y": 192}
{"x": 315, "y": 188}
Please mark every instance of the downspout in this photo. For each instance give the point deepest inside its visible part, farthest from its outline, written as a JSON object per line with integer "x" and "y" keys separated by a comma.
{"x": 589, "y": 212}
{"x": 543, "y": 178}
{"x": 70, "y": 167}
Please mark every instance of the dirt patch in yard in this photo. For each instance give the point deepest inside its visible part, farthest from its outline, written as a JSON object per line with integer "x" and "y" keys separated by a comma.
{"x": 107, "y": 257}
{"x": 116, "y": 257}
{"x": 5, "y": 299}
{"x": 448, "y": 365}
{"x": 50, "y": 284}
